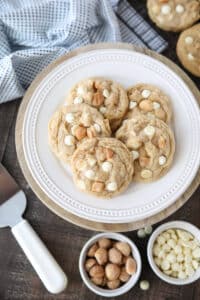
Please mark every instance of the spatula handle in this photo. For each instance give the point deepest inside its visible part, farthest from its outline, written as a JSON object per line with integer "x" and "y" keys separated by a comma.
{"x": 39, "y": 256}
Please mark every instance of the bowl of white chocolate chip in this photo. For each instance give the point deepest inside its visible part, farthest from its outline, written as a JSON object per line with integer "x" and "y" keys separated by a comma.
{"x": 174, "y": 252}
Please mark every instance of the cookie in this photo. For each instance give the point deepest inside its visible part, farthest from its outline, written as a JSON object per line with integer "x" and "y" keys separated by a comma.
{"x": 107, "y": 96}
{"x": 174, "y": 15}
{"x": 188, "y": 49}
{"x": 70, "y": 125}
{"x": 102, "y": 167}
{"x": 148, "y": 100}
{"x": 152, "y": 145}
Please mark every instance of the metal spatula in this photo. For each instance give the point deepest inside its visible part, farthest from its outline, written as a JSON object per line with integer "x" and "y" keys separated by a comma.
{"x": 13, "y": 205}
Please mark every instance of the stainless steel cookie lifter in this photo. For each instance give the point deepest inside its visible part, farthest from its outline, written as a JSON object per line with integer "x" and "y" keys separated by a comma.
{"x": 13, "y": 205}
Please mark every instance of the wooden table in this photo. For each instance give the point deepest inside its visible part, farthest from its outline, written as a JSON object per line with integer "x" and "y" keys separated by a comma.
{"x": 18, "y": 281}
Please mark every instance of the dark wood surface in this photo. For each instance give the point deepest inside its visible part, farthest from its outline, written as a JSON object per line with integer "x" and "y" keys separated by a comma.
{"x": 18, "y": 281}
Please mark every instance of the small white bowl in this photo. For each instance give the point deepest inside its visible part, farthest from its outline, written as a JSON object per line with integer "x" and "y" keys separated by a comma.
{"x": 170, "y": 225}
{"x": 126, "y": 286}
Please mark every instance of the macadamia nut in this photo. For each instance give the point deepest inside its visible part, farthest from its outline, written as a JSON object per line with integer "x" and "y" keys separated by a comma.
{"x": 101, "y": 256}
{"x": 112, "y": 271}
{"x": 124, "y": 248}
{"x": 115, "y": 256}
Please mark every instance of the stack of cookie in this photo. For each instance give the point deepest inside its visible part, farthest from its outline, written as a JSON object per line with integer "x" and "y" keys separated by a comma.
{"x": 178, "y": 15}
{"x": 112, "y": 136}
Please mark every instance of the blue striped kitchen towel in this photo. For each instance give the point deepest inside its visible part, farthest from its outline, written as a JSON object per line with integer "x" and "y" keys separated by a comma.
{"x": 34, "y": 33}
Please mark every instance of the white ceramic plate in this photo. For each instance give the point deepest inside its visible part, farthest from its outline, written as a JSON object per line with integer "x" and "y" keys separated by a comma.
{"x": 140, "y": 200}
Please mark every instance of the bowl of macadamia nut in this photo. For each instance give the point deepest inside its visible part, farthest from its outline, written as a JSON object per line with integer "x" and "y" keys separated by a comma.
{"x": 174, "y": 252}
{"x": 110, "y": 264}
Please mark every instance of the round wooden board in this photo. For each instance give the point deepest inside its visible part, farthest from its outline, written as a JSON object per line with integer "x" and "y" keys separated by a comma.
{"x": 53, "y": 206}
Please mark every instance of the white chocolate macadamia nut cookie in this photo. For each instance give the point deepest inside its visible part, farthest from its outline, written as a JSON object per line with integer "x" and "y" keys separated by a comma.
{"x": 107, "y": 96}
{"x": 152, "y": 146}
{"x": 177, "y": 253}
{"x": 102, "y": 167}
{"x": 174, "y": 15}
{"x": 149, "y": 100}
{"x": 188, "y": 49}
{"x": 71, "y": 124}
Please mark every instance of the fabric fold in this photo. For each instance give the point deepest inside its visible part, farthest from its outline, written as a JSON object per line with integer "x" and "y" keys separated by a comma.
{"x": 34, "y": 33}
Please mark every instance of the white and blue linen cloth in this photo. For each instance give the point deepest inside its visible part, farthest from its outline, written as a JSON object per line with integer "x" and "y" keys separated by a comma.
{"x": 33, "y": 33}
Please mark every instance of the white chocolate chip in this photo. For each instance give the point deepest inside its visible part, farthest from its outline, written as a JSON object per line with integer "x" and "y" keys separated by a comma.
{"x": 170, "y": 231}
{"x": 106, "y": 166}
{"x": 184, "y": 236}
{"x": 81, "y": 184}
{"x": 190, "y": 56}
{"x": 166, "y": 235}
{"x": 162, "y": 160}
{"x": 73, "y": 129}
{"x": 69, "y": 118}
{"x": 146, "y": 93}
{"x": 161, "y": 240}
{"x": 135, "y": 154}
{"x": 178, "y": 249}
{"x": 176, "y": 267}
{"x": 111, "y": 186}
{"x": 196, "y": 253}
{"x": 97, "y": 127}
{"x": 166, "y": 247}
{"x": 103, "y": 109}
{"x": 167, "y": 272}
{"x": 186, "y": 251}
{"x": 162, "y": 254}
{"x": 182, "y": 275}
{"x": 158, "y": 261}
{"x": 106, "y": 93}
{"x": 156, "y": 105}
{"x": 174, "y": 236}
{"x": 165, "y": 265}
{"x": 132, "y": 104}
{"x": 171, "y": 243}
{"x": 165, "y": 9}
{"x": 90, "y": 174}
{"x": 149, "y": 130}
{"x": 78, "y": 100}
{"x": 144, "y": 285}
{"x": 69, "y": 140}
{"x": 189, "y": 271}
{"x": 195, "y": 264}
{"x": 187, "y": 244}
{"x": 188, "y": 40}
{"x": 188, "y": 235}
{"x": 81, "y": 90}
{"x": 171, "y": 258}
{"x": 92, "y": 161}
{"x": 146, "y": 174}
{"x": 180, "y": 9}
{"x": 188, "y": 258}
{"x": 180, "y": 258}
{"x": 141, "y": 233}
{"x": 148, "y": 229}
{"x": 156, "y": 249}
